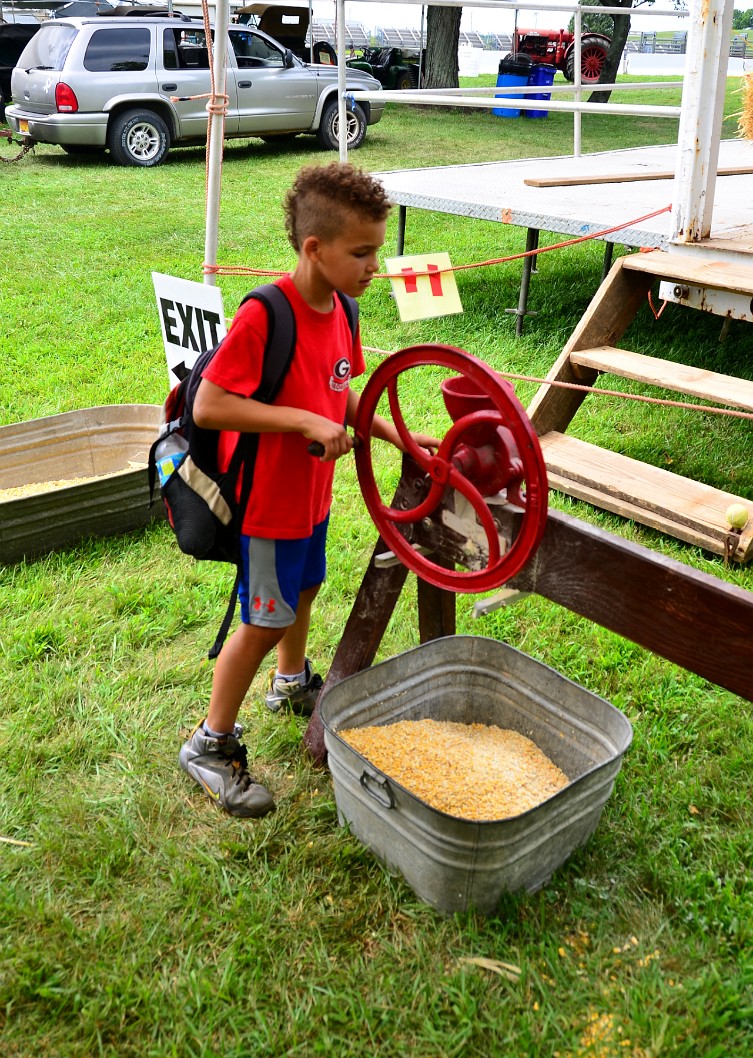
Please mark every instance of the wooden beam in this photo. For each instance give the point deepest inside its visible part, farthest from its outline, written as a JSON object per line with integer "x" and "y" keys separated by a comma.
{"x": 625, "y": 178}
{"x": 697, "y": 621}
{"x": 694, "y": 620}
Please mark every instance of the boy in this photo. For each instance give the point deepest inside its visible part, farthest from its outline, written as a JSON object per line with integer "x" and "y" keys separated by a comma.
{"x": 336, "y": 217}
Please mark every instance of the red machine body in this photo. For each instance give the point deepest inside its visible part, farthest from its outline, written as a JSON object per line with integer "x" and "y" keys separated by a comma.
{"x": 490, "y": 447}
{"x": 557, "y": 48}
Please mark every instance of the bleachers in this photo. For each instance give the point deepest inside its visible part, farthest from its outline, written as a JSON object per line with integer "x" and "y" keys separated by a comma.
{"x": 355, "y": 34}
{"x": 400, "y": 38}
{"x": 474, "y": 40}
{"x": 498, "y": 41}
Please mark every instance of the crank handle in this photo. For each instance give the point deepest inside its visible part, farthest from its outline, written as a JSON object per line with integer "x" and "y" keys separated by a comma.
{"x": 316, "y": 448}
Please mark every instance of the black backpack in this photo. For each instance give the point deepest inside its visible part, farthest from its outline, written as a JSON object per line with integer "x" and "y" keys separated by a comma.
{"x": 200, "y": 500}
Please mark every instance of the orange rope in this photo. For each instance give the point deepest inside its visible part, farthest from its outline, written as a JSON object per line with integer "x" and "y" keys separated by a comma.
{"x": 541, "y": 249}
{"x": 656, "y": 313}
{"x": 729, "y": 412}
{"x": 238, "y": 270}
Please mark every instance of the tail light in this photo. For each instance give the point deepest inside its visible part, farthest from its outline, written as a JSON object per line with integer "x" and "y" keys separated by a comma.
{"x": 65, "y": 99}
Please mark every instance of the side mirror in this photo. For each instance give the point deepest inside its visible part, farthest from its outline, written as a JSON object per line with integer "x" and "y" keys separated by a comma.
{"x": 287, "y": 59}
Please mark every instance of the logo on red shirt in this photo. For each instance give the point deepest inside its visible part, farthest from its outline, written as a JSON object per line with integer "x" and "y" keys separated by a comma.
{"x": 340, "y": 377}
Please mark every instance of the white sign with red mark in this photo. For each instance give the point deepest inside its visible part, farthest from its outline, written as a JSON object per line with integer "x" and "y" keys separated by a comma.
{"x": 427, "y": 287}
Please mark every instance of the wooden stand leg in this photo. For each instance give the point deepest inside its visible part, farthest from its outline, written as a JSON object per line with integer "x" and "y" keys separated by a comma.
{"x": 436, "y": 611}
{"x": 373, "y": 606}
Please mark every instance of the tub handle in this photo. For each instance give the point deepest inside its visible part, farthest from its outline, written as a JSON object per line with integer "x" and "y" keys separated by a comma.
{"x": 379, "y": 789}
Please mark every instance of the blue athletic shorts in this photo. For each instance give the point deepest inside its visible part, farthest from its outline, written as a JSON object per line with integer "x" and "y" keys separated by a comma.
{"x": 274, "y": 574}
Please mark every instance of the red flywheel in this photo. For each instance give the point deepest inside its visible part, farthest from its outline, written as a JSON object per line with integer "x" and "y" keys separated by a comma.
{"x": 484, "y": 452}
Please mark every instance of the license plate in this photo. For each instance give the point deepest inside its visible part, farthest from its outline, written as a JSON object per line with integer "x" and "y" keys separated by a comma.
{"x": 23, "y": 126}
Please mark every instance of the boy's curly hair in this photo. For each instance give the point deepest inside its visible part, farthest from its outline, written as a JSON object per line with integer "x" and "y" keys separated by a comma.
{"x": 322, "y": 196}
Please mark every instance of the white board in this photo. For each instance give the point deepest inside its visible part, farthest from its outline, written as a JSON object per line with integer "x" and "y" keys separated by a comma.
{"x": 192, "y": 319}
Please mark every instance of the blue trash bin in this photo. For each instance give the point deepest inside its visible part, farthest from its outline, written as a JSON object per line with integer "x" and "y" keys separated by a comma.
{"x": 541, "y": 74}
{"x": 513, "y": 72}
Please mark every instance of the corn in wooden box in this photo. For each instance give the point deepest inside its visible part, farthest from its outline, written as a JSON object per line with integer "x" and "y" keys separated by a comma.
{"x": 457, "y": 864}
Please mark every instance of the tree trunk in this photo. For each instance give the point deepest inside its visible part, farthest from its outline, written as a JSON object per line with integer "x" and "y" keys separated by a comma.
{"x": 611, "y": 65}
{"x": 442, "y": 39}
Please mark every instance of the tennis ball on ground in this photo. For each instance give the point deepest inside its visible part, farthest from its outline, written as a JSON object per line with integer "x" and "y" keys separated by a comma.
{"x": 737, "y": 516}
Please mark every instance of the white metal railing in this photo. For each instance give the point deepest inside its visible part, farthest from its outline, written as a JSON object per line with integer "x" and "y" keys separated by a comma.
{"x": 576, "y": 106}
{"x": 444, "y": 98}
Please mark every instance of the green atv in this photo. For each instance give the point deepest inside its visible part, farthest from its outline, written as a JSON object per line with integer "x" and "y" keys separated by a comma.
{"x": 393, "y": 67}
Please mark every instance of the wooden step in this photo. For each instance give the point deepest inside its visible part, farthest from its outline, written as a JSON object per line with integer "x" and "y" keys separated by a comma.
{"x": 685, "y": 509}
{"x": 680, "y": 378}
{"x": 699, "y": 269}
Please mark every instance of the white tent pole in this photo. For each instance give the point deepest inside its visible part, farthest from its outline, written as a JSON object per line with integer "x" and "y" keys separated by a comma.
{"x": 341, "y": 82}
{"x": 217, "y": 128}
{"x": 311, "y": 31}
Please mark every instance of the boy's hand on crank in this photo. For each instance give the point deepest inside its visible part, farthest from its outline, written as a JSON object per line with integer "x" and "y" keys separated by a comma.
{"x": 327, "y": 440}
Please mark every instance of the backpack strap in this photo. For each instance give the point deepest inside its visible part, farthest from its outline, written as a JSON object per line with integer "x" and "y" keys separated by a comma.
{"x": 228, "y": 618}
{"x": 350, "y": 306}
{"x": 281, "y": 338}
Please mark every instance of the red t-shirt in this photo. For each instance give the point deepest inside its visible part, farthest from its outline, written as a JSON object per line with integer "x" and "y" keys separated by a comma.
{"x": 292, "y": 490}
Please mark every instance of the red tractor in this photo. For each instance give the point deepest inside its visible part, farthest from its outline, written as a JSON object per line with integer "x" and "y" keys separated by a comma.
{"x": 557, "y": 48}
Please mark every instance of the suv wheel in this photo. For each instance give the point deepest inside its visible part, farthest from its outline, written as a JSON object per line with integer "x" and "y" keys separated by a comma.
{"x": 327, "y": 133}
{"x": 138, "y": 137}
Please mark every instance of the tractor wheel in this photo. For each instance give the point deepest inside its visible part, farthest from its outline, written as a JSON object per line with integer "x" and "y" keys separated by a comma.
{"x": 593, "y": 52}
{"x": 404, "y": 82}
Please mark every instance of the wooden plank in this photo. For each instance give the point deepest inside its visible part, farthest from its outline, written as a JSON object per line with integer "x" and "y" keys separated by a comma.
{"x": 731, "y": 239}
{"x": 625, "y": 178}
{"x": 695, "y": 267}
{"x": 680, "y": 378}
{"x": 606, "y": 319}
{"x": 688, "y": 510}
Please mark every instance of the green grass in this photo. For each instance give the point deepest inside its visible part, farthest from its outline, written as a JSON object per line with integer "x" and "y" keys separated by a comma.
{"x": 140, "y": 923}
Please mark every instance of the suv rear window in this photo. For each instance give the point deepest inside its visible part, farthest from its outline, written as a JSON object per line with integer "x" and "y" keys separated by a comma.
{"x": 116, "y": 50}
{"x": 48, "y": 48}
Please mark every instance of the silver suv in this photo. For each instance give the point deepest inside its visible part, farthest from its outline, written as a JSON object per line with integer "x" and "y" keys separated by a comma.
{"x": 139, "y": 87}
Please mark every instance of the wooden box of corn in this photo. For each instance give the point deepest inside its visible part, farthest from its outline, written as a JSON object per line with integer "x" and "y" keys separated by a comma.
{"x": 78, "y": 474}
{"x": 470, "y": 768}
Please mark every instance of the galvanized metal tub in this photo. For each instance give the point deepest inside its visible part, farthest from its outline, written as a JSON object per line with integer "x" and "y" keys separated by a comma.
{"x": 456, "y": 864}
{"x": 109, "y": 445}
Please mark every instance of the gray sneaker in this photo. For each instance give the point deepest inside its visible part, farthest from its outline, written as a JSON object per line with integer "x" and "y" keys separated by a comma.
{"x": 300, "y": 698}
{"x": 219, "y": 765}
